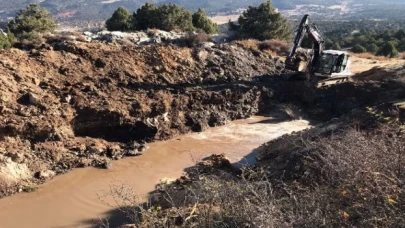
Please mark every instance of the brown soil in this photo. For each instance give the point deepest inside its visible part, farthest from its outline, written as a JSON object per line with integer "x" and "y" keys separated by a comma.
{"x": 66, "y": 105}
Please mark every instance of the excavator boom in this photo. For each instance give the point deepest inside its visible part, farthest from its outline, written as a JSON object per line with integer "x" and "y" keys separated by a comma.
{"x": 305, "y": 27}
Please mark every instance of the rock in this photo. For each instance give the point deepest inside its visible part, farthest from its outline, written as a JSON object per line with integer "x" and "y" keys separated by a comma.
{"x": 207, "y": 44}
{"x": 96, "y": 149}
{"x": 106, "y": 164}
{"x": 33, "y": 99}
{"x": 16, "y": 157}
{"x": 36, "y": 81}
{"x": 45, "y": 174}
{"x": 216, "y": 161}
{"x": 143, "y": 148}
{"x": 100, "y": 63}
{"x": 129, "y": 226}
{"x": 133, "y": 145}
{"x": 62, "y": 133}
{"x": 66, "y": 98}
{"x": 87, "y": 33}
{"x": 132, "y": 153}
{"x": 114, "y": 151}
{"x": 84, "y": 162}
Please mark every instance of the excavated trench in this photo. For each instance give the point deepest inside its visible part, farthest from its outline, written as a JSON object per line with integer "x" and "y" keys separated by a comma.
{"x": 62, "y": 110}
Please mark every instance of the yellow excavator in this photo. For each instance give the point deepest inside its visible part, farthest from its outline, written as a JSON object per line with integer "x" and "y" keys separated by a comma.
{"x": 329, "y": 64}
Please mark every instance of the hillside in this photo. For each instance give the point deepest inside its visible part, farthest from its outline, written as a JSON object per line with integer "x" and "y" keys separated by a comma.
{"x": 99, "y": 10}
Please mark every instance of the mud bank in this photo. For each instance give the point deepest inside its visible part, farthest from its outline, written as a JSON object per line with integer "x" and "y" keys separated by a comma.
{"x": 66, "y": 105}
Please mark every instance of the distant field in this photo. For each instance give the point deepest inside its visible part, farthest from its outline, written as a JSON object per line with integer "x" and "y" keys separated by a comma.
{"x": 225, "y": 19}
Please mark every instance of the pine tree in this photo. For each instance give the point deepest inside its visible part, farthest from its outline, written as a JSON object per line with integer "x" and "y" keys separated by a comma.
{"x": 336, "y": 46}
{"x": 358, "y": 49}
{"x": 388, "y": 50}
{"x": 173, "y": 17}
{"x": 4, "y": 42}
{"x": 121, "y": 20}
{"x": 201, "y": 21}
{"x": 372, "y": 48}
{"x": 146, "y": 17}
{"x": 30, "y": 22}
{"x": 262, "y": 22}
{"x": 6, "y": 39}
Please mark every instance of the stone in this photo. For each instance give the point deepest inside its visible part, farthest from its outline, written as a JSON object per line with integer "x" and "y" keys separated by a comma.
{"x": 45, "y": 174}
{"x": 132, "y": 153}
{"x": 143, "y": 148}
{"x": 95, "y": 149}
{"x": 16, "y": 157}
{"x": 33, "y": 99}
{"x": 114, "y": 151}
{"x": 106, "y": 164}
{"x": 66, "y": 98}
{"x": 133, "y": 145}
{"x": 100, "y": 63}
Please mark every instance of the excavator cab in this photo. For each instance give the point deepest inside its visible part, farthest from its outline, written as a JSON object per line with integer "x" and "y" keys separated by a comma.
{"x": 333, "y": 64}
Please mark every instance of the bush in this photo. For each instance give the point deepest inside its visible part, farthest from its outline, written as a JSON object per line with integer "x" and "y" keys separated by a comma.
{"x": 388, "y": 50}
{"x": 173, "y": 17}
{"x": 165, "y": 17}
{"x": 194, "y": 39}
{"x": 358, "y": 49}
{"x": 201, "y": 21}
{"x": 146, "y": 17}
{"x": 121, "y": 20}
{"x": 372, "y": 48}
{"x": 262, "y": 22}
{"x": 168, "y": 17}
{"x": 30, "y": 22}
{"x": 274, "y": 47}
{"x": 6, "y": 40}
{"x": 336, "y": 46}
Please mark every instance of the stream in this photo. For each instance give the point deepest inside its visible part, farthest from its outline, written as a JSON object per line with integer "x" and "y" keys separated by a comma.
{"x": 71, "y": 200}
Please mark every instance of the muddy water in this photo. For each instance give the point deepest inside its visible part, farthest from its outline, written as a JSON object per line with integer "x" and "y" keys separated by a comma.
{"x": 71, "y": 200}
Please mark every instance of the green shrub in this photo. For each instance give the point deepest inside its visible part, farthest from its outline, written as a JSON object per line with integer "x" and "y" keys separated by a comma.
{"x": 30, "y": 22}
{"x": 388, "y": 50}
{"x": 336, "y": 46}
{"x": 146, "y": 17}
{"x": 372, "y": 48}
{"x": 358, "y": 49}
{"x": 201, "y": 21}
{"x": 121, "y": 20}
{"x": 262, "y": 22}
{"x": 6, "y": 40}
{"x": 172, "y": 17}
{"x": 166, "y": 17}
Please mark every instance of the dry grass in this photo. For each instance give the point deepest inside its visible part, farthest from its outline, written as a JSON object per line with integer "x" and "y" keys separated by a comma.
{"x": 370, "y": 56}
{"x": 273, "y": 47}
{"x": 195, "y": 39}
{"x": 152, "y": 32}
{"x": 402, "y": 55}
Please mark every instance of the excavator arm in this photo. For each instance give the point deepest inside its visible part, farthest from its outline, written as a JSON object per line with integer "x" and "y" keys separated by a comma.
{"x": 306, "y": 27}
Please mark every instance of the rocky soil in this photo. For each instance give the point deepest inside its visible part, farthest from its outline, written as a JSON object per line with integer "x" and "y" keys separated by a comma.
{"x": 66, "y": 104}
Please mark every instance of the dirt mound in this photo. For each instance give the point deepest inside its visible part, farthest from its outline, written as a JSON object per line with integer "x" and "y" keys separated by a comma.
{"x": 66, "y": 105}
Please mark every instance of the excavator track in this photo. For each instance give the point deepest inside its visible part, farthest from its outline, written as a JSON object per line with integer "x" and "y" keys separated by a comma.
{"x": 331, "y": 81}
